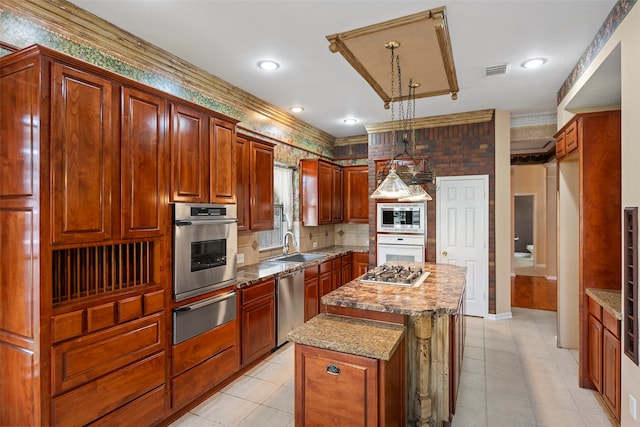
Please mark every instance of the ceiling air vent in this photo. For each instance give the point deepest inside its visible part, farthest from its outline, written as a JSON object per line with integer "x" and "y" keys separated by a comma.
{"x": 497, "y": 70}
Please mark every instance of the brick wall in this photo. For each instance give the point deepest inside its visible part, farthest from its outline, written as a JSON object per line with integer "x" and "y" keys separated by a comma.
{"x": 453, "y": 151}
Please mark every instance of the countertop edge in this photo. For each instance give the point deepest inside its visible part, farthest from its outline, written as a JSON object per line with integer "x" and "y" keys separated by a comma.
{"x": 609, "y": 299}
{"x": 327, "y": 331}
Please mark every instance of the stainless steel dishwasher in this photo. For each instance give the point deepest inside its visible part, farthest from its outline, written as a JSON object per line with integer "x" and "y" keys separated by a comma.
{"x": 290, "y": 304}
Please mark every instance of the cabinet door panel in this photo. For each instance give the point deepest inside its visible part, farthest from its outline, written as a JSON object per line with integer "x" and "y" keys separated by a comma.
{"x": 143, "y": 159}
{"x": 258, "y": 329}
{"x": 611, "y": 372}
{"x": 336, "y": 196}
{"x": 356, "y": 197}
{"x": 242, "y": 187}
{"x": 325, "y": 188}
{"x": 189, "y": 155}
{"x": 222, "y": 162}
{"x": 595, "y": 352}
{"x": 81, "y": 155}
{"x": 261, "y": 187}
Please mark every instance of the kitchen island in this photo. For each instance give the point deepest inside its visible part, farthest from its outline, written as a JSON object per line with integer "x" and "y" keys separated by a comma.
{"x": 432, "y": 313}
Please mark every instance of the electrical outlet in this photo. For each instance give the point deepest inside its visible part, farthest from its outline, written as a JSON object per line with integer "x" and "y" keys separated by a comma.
{"x": 632, "y": 407}
{"x": 240, "y": 258}
{"x": 315, "y": 244}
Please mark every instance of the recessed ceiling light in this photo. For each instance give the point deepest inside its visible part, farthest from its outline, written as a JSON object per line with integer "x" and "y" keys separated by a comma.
{"x": 533, "y": 63}
{"x": 296, "y": 109}
{"x": 268, "y": 65}
{"x": 350, "y": 121}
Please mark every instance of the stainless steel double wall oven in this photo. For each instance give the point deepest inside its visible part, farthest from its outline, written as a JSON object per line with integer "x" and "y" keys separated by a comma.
{"x": 205, "y": 239}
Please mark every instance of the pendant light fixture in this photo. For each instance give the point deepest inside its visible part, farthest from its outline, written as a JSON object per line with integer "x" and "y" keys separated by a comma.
{"x": 404, "y": 182}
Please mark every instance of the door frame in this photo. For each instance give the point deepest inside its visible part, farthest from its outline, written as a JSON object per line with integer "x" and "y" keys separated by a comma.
{"x": 439, "y": 221}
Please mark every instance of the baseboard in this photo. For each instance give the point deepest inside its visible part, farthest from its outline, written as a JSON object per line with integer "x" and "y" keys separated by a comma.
{"x": 499, "y": 316}
{"x": 551, "y": 278}
{"x": 541, "y": 265}
{"x": 513, "y": 274}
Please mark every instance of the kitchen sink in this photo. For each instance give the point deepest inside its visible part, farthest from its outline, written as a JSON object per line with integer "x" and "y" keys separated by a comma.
{"x": 299, "y": 257}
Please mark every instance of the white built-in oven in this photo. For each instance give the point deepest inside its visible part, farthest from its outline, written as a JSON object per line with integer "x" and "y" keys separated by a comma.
{"x": 205, "y": 240}
{"x": 401, "y": 218}
{"x": 400, "y": 247}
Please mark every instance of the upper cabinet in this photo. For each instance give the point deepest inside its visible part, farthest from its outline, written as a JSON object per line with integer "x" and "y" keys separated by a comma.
{"x": 356, "y": 194}
{"x": 202, "y": 156}
{"x": 222, "y": 182}
{"x": 254, "y": 171}
{"x": 320, "y": 192}
{"x": 143, "y": 151}
{"x": 82, "y": 155}
{"x": 189, "y": 155}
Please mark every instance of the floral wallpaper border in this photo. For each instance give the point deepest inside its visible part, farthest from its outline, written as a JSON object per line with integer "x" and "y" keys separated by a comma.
{"x": 616, "y": 16}
{"x": 21, "y": 32}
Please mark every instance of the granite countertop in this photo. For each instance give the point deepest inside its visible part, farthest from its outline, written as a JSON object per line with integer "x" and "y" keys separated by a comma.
{"x": 609, "y": 299}
{"x": 368, "y": 338}
{"x": 266, "y": 269}
{"x": 440, "y": 293}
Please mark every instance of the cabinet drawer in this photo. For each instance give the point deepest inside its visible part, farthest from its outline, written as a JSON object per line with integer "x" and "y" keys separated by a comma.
{"x": 336, "y": 263}
{"x": 611, "y": 323}
{"x": 595, "y": 309}
{"x": 571, "y": 137}
{"x": 145, "y": 410}
{"x": 310, "y": 272}
{"x": 78, "y": 361}
{"x": 84, "y": 404}
{"x": 67, "y": 325}
{"x": 201, "y": 347}
{"x": 258, "y": 291}
{"x": 153, "y": 302}
{"x": 325, "y": 267}
{"x": 203, "y": 377}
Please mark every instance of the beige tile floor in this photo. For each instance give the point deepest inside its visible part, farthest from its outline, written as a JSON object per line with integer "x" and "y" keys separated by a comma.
{"x": 512, "y": 375}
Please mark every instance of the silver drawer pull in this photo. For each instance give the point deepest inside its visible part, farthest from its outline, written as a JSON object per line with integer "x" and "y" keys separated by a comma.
{"x": 333, "y": 370}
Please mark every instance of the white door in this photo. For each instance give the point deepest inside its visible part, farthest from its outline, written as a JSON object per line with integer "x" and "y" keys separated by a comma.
{"x": 462, "y": 236}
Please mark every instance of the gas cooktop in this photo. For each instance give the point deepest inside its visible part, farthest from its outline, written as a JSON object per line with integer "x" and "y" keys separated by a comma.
{"x": 395, "y": 275}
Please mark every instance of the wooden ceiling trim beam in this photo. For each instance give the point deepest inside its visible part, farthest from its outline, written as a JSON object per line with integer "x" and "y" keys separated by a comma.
{"x": 479, "y": 116}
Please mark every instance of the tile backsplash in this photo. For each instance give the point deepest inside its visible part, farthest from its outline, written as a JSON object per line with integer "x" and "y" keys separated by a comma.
{"x": 307, "y": 239}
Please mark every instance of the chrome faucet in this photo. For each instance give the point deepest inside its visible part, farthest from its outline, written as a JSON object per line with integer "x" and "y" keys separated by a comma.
{"x": 285, "y": 248}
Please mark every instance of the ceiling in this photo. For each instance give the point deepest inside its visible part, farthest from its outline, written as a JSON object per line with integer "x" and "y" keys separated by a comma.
{"x": 228, "y": 37}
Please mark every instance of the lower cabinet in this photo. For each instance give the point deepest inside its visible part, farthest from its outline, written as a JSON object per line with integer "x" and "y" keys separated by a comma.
{"x": 340, "y": 389}
{"x": 311, "y": 295}
{"x": 604, "y": 355}
{"x": 201, "y": 362}
{"x": 360, "y": 263}
{"x": 258, "y": 320}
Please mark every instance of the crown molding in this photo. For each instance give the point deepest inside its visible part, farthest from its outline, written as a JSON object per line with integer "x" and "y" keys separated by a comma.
{"x": 479, "y": 116}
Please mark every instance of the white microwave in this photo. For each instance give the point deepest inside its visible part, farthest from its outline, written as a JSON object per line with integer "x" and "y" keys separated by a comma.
{"x": 401, "y": 218}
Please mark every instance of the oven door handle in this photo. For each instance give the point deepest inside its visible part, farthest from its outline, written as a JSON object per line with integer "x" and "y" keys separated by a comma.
{"x": 206, "y": 302}
{"x": 205, "y": 222}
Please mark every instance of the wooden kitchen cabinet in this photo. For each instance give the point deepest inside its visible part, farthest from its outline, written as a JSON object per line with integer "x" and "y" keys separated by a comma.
{"x": 604, "y": 352}
{"x": 258, "y": 320}
{"x": 360, "y": 263}
{"x": 595, "y": 352}
{"x": 356, "y": 194}
{"x": 337, "y": 199}
{"x": 347, "y": 269}
{"x": 189, "y": 155}
{"x": 320, "y": 192}
{"x": 222, "y": 149}
{"x": 311, "y": 292}
{"x": 325, "y": 281}
{"x": 342, "y": 389}
{"x": 593, "y": 146}
{"x": 336, "y": 273}
{"x": 84, "y": 203}
{"x": 254, "y": 171}
{"x": 83, "y": 152}
{"x": 143, "y": 160}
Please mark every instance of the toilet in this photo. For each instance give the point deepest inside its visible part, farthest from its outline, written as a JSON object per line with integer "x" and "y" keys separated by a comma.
{"x": 530, "y": 249}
